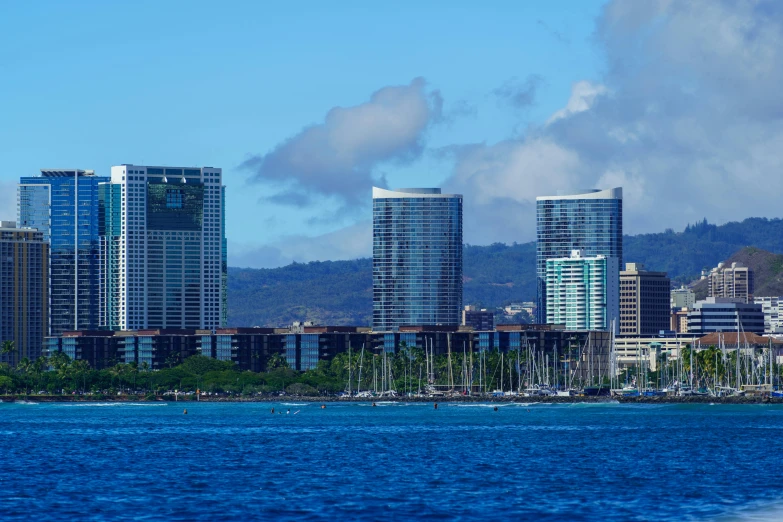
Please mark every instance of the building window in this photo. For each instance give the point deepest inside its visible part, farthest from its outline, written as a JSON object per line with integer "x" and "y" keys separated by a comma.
{"x": 174, "y": 198}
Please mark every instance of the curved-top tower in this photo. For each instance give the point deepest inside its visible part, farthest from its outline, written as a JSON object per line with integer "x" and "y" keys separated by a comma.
{"x": 587, "y": 220}
{"x": 417, "y": 257}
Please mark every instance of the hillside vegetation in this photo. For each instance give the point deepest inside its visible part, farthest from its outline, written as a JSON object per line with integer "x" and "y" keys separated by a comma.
{"x": 767, "y": 271}
{"x": 340, "y": 292}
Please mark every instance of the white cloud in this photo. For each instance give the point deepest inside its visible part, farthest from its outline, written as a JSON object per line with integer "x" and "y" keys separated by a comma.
{"x": 338, "y": 157}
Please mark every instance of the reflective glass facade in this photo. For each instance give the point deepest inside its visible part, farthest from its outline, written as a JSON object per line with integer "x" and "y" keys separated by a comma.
{"x": 591, "y": 222}
{"x": 417, "y": 258}
{"x": 164, "y": 248}
{"x": 63, "y": 204}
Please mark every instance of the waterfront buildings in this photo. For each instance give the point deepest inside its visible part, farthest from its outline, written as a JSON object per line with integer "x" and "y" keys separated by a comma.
{"x": 582, "y": 292}
{"x": 63, "y": 205}
{"x": 24, "y": 270}
{"x": 682, "y": 298}
{"x": 254, "y": 349}
{"x": 644, "y": 301}
{"x": 417, "y": 257}
{"x": 770, "y": 306}
{"x": 735, "y": 281}
{"x": 591, "y": 221}
{"x": 478, "y": 319}
{"x": 724, "y": 314}
{"x": 163, "y": 248}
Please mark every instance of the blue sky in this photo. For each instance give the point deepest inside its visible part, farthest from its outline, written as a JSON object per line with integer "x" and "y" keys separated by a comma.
{"x": 91, "y": 84}
{"x": 501, "y": 101}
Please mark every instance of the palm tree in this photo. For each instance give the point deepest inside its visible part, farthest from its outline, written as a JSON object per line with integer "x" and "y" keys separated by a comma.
{"x": 24, "y": 368}
{"x": 7, "y": 347}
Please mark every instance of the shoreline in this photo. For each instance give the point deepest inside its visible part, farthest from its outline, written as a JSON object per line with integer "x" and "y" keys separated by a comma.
{"x": 439, "y": 400}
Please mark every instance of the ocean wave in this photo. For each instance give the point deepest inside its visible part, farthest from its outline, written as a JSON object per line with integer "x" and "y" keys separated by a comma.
{"x": 295, "y": 403}
{"x": 758, "y": 513}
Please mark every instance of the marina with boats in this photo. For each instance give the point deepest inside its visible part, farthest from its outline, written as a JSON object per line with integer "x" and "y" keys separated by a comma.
{"x": 736, "y": 365}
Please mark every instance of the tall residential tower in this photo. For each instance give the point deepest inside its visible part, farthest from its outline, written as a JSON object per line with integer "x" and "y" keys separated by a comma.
{"x": 417, "y": 258}
{"x": 582, "y": 293}
{"x": 590, "y": 221}
{"x": 24, "y": 266}
{"x": 63, "y": 205}
{"x": 163, "y": 248}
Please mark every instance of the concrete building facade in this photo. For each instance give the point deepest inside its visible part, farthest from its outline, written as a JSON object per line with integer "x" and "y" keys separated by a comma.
{"x": 644, "y": 301}
{"x": 163, "y": 248}
{"x": 682, "y": 298}
{"x": 24, "y": 300}
{"x": 770, "y": 306}
{"x": 735, "y": 282}
{"x": 583, "y": 292}
{"x": 723, "y": 314}
{"x": 478, "y": 319}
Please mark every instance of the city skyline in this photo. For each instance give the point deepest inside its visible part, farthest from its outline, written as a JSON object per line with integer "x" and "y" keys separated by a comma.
{"x": 540, "y": 99}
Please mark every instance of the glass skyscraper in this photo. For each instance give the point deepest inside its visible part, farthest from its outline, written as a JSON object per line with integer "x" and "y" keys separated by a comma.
{"x": 63, "y": 205}
{"x": 590, "y": 221}
{"x": 417, "y": 258}
{"x": 163, "y": 248}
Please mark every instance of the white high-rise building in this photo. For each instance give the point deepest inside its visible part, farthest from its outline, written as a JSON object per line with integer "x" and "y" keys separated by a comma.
{"x": 163, "y": 251}
{"x": 773, "y": 321}
{"x": 582, "y": 293}
{"x": 682, "y": 298}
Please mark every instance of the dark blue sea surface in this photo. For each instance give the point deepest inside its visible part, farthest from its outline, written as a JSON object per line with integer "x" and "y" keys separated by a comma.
{"x": 148, "y": 461}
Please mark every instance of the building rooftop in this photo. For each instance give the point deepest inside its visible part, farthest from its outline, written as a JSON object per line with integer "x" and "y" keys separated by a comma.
{"x": 382, "y": 193}
{"x": 613, "y": 193}
{"x": 65, "y": 173}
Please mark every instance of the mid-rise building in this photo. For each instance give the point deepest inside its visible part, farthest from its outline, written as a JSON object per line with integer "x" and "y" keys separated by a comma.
{"x": 679, "y": 320}
{"x": 773, "y": 321}
{"x": 725, "y": 314}
{"x": 417, "y": 258}
{"x": 582, "y": 292}
{"x": 63, "y": 205}
{"x": 591, "y": 221}
{"x": 735, "y": 281}
{"x": 478, "y": 319}
{"x": 163, "y": 248}
{"x": 682, "y": 298}
{"x": 24, "y": 299}
{"x": 644, "y": 301}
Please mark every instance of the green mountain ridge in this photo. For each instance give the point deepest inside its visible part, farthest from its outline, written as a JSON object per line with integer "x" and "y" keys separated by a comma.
{"x": 340, "y": 292}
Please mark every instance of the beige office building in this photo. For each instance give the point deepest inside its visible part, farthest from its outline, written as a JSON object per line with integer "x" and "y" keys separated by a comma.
{"x": 644, "y": 301}
{"x": 735, "y": 282}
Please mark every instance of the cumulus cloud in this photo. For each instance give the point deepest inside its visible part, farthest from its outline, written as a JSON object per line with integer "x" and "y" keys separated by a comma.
{"x": 687, "y": 119}
{"x": 339, "y": 156}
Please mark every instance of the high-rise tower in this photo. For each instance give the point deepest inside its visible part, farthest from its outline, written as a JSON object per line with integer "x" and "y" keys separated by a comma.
{"x": 63, "y": 205}
{"x": 590, "y": 221}
{"x": 417, "y": 257}
{"x": 163, "y": 248}
{"x": 24, "y": 266}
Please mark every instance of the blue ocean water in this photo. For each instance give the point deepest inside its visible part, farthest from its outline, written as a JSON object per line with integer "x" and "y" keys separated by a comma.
{"x": 148, "y": 461}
